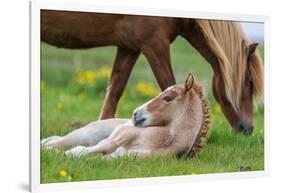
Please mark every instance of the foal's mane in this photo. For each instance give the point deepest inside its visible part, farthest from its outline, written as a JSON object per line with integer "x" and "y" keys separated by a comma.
{"x": 228, "y": 43}
{"x": 203, "y": 131}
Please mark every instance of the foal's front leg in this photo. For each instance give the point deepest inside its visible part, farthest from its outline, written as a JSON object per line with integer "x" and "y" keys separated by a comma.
{"x": 123, "y": 135}
{"x": 105, "y": 146}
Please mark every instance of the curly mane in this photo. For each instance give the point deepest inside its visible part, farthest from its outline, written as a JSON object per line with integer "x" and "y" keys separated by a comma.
{"x": 202, "y": 134}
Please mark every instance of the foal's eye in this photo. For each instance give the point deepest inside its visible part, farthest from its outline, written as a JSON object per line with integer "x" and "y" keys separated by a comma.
{"x": 167, "y": 98}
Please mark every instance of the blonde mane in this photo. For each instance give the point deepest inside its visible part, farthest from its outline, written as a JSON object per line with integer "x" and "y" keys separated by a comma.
{"x": 228, "y": 43}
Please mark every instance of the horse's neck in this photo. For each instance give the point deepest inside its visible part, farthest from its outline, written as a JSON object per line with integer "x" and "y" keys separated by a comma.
{"x": 195, "y": 37}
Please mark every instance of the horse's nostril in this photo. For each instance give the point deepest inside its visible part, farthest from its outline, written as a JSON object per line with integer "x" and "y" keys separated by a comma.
{"x": 244, "y": 128}
{"x": 241, "y": 127}
{"x": 248, "y": 130}
{"x": 238, "y": 127}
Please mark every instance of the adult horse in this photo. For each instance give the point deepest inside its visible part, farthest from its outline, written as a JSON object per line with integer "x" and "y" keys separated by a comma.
{"x": 238, "y": 71}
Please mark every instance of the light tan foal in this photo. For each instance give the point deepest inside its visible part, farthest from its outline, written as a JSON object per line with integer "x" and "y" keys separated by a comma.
{"x": 168, "y": 124}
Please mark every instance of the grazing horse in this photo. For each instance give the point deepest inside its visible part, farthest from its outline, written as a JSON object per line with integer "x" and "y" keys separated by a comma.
{"x": 175, "y": 122}
{"x": 237, "y": 68}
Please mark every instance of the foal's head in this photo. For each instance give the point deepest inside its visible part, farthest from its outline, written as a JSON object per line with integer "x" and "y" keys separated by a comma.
{"x": 169, "y": 105}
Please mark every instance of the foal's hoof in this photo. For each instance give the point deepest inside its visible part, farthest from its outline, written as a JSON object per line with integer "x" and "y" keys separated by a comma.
{"x": 76, "y": 151}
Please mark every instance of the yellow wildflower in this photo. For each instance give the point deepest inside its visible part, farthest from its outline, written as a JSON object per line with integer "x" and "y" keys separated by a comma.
{"x": 146, "y": 90}
{"x": 63, "y": 173}
{"x": 193, "y": 173}
{"x": 81, "y": 77}
{"x": 104, "y": 72}
{"x": 87, "y": 76}
{"x": 217, "y": 109}
{"x": 90, "y": 76}
{"x": 59, "y": 106}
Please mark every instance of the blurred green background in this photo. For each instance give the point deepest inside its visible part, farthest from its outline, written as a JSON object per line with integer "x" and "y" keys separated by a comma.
{"x": 73, "y": 87}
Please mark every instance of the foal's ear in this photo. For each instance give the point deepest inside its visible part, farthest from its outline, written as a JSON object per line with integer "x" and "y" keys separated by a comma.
{"x": 252, "y": 48}
{"x": 188, "y": 83}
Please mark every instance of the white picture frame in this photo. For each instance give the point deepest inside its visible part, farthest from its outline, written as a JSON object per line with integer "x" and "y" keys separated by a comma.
{"x": 36, "y": 6}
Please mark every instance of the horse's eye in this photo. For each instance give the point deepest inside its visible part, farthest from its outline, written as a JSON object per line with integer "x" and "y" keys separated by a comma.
{"x": 167, "y": 98}
{"x": 248, "y": 82}
{"x": 226, "y": 103}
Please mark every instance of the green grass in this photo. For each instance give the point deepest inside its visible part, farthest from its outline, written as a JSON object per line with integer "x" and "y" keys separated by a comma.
{"x": 66, "y": 105}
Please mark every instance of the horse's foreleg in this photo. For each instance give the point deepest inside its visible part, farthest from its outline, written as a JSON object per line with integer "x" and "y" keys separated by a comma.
{"x": 157, "y": 52}
{"x": 122, "y": 67}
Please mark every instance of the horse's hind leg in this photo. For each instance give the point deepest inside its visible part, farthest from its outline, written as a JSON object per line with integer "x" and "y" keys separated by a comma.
{"x": 122, "y": 67}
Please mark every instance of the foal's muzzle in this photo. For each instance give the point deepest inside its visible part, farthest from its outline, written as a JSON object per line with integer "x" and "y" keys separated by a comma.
{"x": 138, "y": 118}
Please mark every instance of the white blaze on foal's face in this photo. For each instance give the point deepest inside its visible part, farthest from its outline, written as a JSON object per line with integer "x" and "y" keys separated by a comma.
{"x": 161, "y": 110}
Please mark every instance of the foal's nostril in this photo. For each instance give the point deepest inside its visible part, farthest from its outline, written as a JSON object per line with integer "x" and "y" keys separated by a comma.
{"x": 138, "y": 118}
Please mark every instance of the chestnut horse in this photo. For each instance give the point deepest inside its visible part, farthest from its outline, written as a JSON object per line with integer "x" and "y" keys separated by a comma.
{"x": 237, "y": 68}
{"x": 175, "y": 122}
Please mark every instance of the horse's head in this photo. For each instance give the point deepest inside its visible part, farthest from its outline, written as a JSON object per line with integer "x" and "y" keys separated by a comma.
{"x": 240, "y": 113}
{"x": 166, "y": 107}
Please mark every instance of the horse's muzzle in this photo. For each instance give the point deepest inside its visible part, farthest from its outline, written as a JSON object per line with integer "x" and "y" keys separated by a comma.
{"x": 243, "y": 127}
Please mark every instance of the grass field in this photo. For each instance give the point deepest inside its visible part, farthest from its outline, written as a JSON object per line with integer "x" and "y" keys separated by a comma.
{"x": 73, "y": 86}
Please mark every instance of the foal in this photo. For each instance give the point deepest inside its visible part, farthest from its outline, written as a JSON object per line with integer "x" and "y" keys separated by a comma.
{"x": 175, "y": 122}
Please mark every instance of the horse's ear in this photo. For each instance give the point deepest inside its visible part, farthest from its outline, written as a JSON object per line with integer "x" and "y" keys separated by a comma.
{"x": 188, "y": 83}
{"x": 252, "y": 48}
